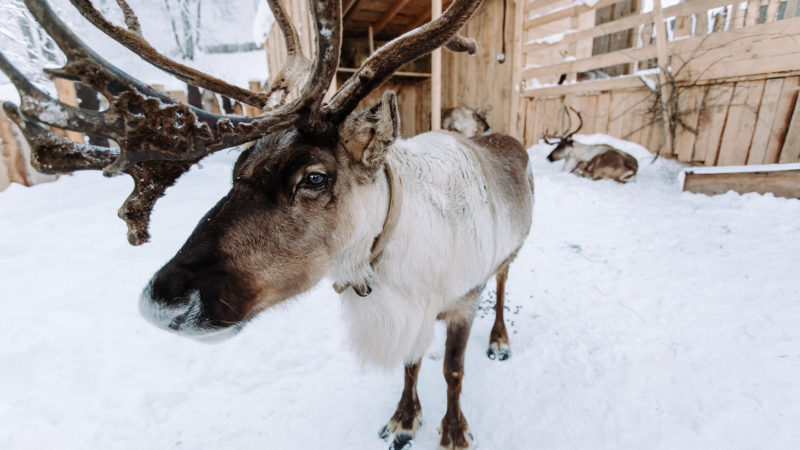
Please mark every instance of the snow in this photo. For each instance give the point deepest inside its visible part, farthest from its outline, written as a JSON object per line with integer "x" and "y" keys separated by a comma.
{"x": 640, "y": 317}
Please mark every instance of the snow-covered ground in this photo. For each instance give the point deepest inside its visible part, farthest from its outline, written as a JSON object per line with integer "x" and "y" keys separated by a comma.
{"x": 641, "y": 317}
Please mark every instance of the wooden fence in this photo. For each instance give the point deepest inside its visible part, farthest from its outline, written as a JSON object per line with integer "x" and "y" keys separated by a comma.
{"x": 729, "y": 76}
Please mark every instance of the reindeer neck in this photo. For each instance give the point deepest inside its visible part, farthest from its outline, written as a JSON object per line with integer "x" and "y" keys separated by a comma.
{"x": 354, "y": 267}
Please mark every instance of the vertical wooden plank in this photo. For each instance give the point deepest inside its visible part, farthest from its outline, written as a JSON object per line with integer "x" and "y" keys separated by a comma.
{"x": 601, "y": 112}
{"x": 688, "y": 102}
{"x": 772, "y": 10}
{"x": 67, "y": 94}
{"x": 636, "y": 116}
{"x": 711, "y": 122}
{"x": 518, "y": 110}
{"x": 616, "y": 112}
{"x": 737, "y": 16}
{"x": 529, "y": 124}
{"x": 763, "y": 127}
{"x": 10, "y": 154}
{"x": 436, "y": 74}
{"x": 178, "y": 95}
{"x": 663, "y": 64}
{"x": 790, "y": 152}
{"x": 250, "y": 110}
{"x": 740, "y": 125}
{"x": 783, "y": 113}
{"x": 701, "y": 25}
{"x": 791, "y": 9}
{"x": 751, "y": 17}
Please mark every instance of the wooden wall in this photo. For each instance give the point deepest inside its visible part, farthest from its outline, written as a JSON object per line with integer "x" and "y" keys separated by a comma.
{"x": 480, "y": 81}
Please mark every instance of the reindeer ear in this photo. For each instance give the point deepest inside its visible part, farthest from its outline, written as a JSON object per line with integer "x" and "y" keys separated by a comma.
{"x": 367, "y": 134}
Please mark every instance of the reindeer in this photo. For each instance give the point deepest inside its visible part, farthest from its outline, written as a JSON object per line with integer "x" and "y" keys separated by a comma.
{"x": 466, "y": 121}
{"x": 596, "y": 161}
{"x": 410, "y": 230}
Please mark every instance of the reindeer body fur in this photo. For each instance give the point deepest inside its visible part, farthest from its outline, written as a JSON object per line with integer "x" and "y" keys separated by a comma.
{"x": 462, "y": 216}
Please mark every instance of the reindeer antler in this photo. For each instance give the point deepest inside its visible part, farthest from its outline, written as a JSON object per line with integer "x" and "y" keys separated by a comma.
{"x": 567, "y": 134}
{"x": 160, "y": 138}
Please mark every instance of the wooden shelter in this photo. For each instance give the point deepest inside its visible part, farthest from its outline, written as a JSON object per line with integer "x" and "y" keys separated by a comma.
{"x": 432, "y": 83}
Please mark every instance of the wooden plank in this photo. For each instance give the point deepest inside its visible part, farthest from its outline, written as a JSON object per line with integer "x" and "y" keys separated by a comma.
{"x": 663, "y": 64}
{"x": 595, "y": 62}
{"x": 389, "y": 15}
{"x": 608, "y": 84}
{"x": 436, "y": 74}
{"x": 711, "y": 123}
{"x": 250, "y": 110}
{"x": 783, "y": 183}
{"x": 601, "y": 113}
{"x": 633, "y": 21}
{"x": 783, "y": 114}
{"x": 701, "y": 23}
{"x": 758, "y": 49}
{"x": 740, "y": 125}
{"x": 790, "y": 152}
{"x": 772, "y": 10}
{"x": 518, "y": 111}
{"x": 10, "y": 155}
{"x": 688, "y": 102}
{"x": 753, "y": 9}
{"x": 66, "y": 93}
{"x": 616, "y": 112}
{"x": 564, "y": 13}
{"x": 763, "y": 126}
{"x": 178, "y": 95}
{"x": 791, "y": 9}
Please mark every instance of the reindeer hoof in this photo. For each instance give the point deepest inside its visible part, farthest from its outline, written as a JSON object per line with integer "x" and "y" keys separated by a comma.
{"x": 402, "y": 441}
{"x": 498, "y": 351}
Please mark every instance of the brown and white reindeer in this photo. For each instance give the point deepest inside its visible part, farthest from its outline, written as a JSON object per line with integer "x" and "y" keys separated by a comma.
{"x": 410, "y": 230}
{"x": 595, "y": 161}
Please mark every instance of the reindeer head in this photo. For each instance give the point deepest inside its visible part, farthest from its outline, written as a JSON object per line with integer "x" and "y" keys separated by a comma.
{"x": 563, "y": 141}
{"x": 291, "y": 206}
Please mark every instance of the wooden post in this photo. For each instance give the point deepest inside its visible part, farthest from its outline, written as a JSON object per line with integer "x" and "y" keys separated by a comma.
{"x": 67, "y": 94}
{"x": 10, "y": 154}
{"x": 517, "y": 112}
{"x": 663, "y": 69}
{"x": 371, "y": 39}
{"x": 251, "y": 111}
{"x": 178, "y": 95}
{"x": 436, "y": 74}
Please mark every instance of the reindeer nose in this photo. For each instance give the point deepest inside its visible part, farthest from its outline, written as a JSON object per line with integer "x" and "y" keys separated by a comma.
{"x": 169, "y": 299}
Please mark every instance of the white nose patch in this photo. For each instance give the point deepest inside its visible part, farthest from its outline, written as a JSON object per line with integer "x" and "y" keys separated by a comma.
{"x": 182, "y": 317}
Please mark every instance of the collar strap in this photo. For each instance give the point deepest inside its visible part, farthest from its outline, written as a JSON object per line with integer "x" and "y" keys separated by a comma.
{"x": 394, "y": 184}
{"x": 392, "y": 215}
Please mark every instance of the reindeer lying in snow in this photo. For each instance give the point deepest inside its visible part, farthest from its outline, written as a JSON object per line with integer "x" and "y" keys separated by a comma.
{"x": 411, "y": 230}
{"x": 595, "y": 161}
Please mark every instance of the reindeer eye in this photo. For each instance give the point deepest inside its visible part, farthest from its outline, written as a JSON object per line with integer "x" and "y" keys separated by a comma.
{"x": 315, "y": 179}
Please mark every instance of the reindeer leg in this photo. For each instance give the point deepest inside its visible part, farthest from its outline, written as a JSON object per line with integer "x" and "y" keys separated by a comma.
{"x": 499, "y": 347}
{"x": 406, "y": 420}
{"x": 455, "y": 432}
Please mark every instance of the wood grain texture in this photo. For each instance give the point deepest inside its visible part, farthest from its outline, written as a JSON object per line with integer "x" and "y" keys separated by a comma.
{"x": 784, "y": 183}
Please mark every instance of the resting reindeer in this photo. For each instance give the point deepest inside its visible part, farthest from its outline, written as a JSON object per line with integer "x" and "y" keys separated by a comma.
{"x": 411, "y": 230}
{"x": 595, "y": 161}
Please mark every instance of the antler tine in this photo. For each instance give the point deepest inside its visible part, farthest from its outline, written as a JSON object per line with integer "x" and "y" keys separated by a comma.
{"x": 546, "y": 136}
{"x": 296, "y": 65}
{"x": 55, "y": 154}
{"x": 580, "y": 121}
{"x": 389, "y": 58}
